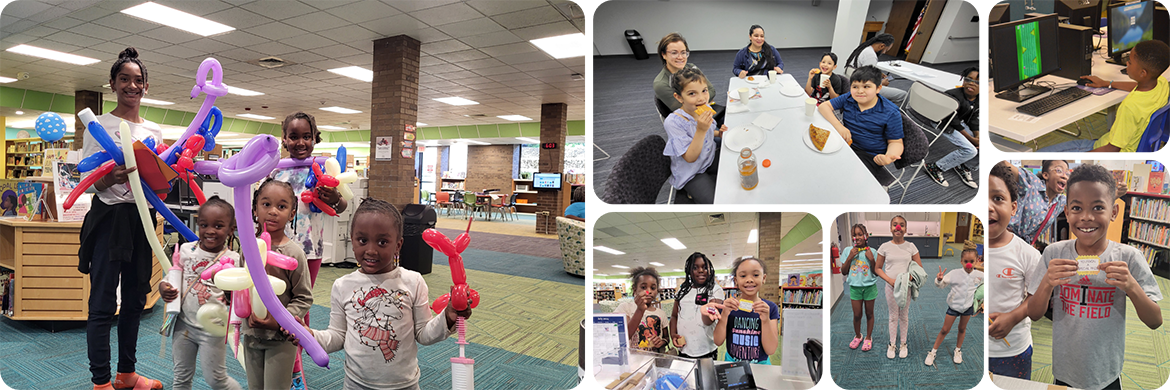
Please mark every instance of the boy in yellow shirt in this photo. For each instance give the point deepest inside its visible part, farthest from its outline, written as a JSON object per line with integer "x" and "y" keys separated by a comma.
{"x": 1147, "y": 61}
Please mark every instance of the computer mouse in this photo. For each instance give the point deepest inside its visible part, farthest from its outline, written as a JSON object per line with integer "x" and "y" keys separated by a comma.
{"x": 1083, "y": 81}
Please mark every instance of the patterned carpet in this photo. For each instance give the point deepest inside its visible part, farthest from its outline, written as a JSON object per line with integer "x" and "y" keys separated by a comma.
{"x": 1147, "y": 352}
{"x": 523, "y": 336}
{"x": 853, "y": 369}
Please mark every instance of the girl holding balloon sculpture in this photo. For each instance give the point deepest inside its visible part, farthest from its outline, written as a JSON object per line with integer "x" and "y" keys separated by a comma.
{"x": 268, "y": 354}
{"x": 113, "y": 244}
{"x": 380, "y": 313}
{"x": 216, "y": 227}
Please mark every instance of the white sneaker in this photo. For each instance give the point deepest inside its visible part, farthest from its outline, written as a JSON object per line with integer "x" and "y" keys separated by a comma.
{"x": 930, "y": 357}
{"x": 958, "y": 356}
{"x": 890, "y": 351}
{"x": 903, "y": 351}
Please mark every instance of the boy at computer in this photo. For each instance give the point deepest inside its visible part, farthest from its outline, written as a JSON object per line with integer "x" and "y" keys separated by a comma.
{"x": 1147, "y": 61}
{"x": 1088, "y": 280}
{"x": 869, "y": 122}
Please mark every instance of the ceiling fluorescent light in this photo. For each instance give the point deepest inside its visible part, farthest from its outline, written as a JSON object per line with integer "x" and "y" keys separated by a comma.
{"x": 514, "y": 118}
{"x": 656, "y": 264}
{"x": 18, "y": 112}
{"x": 564, "y": 46}
{"x": 419, "y": 124}
{"x": 621, "y": 266}
{"x": 810, "y": 254}
{"x": 330, "y": 127}
{"x": 529, "y": 140}
{"x": 178, "y": 19}
{"x": 674, "y": 243}
{"x": 355, "y": 72}
{"x": 254, "y": 116}
{"x": 753, "y": 236}
{"x": 52, "y": 55}
{"x": 6, "y": 80}
{"x": 242, "y": 92}
{"x": 476, "y": 142}
{"x": 156, "y": 102}
{"x": 608, "y": 250}
{"x": 802, "y": 261}
{"x": 457, "y": 101}
{"x": 340, "y": 110}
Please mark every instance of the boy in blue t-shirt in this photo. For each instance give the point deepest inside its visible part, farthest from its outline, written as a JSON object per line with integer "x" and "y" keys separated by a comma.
{"x": 869, "y": 122}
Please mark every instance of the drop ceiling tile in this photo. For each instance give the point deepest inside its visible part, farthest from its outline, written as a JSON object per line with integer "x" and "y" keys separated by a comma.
{"x": 50, "y": 14}
{"x": 530, "y": 66}
{"x": 317, "y": 21}
{"x": 509, "y": 78}
{"x": 25, "y": 9}
{"x": 462, "y": 76}
{"x": 498, "y": 70}
{"x": 493, "y": 7}
{"x": 441, "y": 47}
{"x": 462, "y": 56}
{"x": 337, "y": 51}
{"x": 471, "y": 27}
{"x": 20, "y": 25}
{"x": 523, "y": 58}
{"x": 172, "y": 35}
{"x": 307, "y": 42}
{"x": 276, "y": 31}
{"x": 546, "y": 30}
{"x": 142, "y": 43}
{"x": 426, "y": 60}
{"x": 574, "y": 61}
{"x": 529, "y": 17}
{"x": 240, "y": 54}
{"x": 302, "y": 57}
{"x": 60, "y": 23}
{"x": 364, "y": 60}
{"x": 480, "y": 63}
{"x": 491, "y": 39}
{"x": 415, "y": 5}
{"x": 443, "y": 68}
{"x": 394, "y": 25}
{"x": 326, "y": 64}
{"x": 363, "y": 11}
{"x": 272, "y": 49}
{"x": 450, "y": 13}
{"x": 349, "y": 33}
{"x": 279, "y": 10}
{"x": 240, "y": 38}
{"x": 239, "y": 18}
{"x": 126, "y": 23}
{"x": 365, "y": 45}
{"x": 198, "y": 8}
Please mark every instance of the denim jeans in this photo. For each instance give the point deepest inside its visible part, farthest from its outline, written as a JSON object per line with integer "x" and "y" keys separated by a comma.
{"x": 965, "y": 153}
{"x": 1076, "y": 145}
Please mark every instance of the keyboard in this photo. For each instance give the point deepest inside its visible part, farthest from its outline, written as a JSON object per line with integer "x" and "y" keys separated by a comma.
{"x": 1054, "y": 101}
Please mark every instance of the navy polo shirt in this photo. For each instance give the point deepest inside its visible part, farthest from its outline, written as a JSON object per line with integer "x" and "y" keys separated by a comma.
{"x": 870, "y": 128}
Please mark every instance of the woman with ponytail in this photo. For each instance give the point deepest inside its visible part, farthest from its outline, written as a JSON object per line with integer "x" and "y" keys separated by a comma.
{"x": 866, "y": 54}
{"x": 758, "y": 57}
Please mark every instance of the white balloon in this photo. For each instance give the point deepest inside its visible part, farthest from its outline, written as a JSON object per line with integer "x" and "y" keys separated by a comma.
{"x": 233, "y": 279}
{"x": 213, "y": 317}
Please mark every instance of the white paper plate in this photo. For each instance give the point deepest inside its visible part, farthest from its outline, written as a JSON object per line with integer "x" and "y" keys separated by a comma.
{"x": 792, "y": 91}
{"x": 834, "y": 143}
{"x": 756, "y": 79}
{"x": 744, "y": 137}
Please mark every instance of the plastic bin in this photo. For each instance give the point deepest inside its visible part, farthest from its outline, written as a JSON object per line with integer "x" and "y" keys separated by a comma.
{"x": 637, "y": 44}
{"x": 416, "y": 254}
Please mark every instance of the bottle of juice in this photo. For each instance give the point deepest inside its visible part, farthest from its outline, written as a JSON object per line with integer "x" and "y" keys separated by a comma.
{"x": 748, "y": 177}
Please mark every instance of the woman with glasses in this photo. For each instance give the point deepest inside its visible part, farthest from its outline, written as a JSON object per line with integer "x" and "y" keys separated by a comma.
{"x": 758, "y": 57}
{"x": 963, "y": 132}
{"x": 674, "y": 52}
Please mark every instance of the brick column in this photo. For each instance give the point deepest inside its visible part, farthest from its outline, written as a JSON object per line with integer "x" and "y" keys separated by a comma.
{"x": 553, "y": 126}
{"x": 394, "y": 104}
{"x": 769, "y": 253}
{"x": 82, "y": 100}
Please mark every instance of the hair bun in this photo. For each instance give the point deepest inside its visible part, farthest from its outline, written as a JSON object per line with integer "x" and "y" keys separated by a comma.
{"x": 130, "y": 52}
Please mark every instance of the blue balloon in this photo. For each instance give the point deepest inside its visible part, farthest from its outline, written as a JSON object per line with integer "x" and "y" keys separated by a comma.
{"x": 50, "y": 127}
{"x": 341, "y": 157}
{"x": 93, "y": 161}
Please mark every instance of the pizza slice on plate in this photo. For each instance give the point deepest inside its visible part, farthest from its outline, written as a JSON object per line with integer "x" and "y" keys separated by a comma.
{"x": 818, "y": 136}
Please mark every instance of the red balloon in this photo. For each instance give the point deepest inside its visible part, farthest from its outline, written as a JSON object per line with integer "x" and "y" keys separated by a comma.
{"x": 97, "y": 174}
{"x": 459, "y": 294}
{"x": 186, "y": 163}
{"x": 474, "y": 298}
{"x": 195, "y": 142}
{"x": 160, "y": 148}
{"x": 462, "y": 241}
{"x": 440, "y": 303}
{"x": 439, "y": 241}
{"x": 324, "y": 207}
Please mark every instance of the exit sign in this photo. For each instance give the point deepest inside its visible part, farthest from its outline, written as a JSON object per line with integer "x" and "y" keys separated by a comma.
{"x": 548, "y": 145}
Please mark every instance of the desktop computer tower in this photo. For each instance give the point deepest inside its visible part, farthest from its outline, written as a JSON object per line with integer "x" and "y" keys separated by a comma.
{"x": 1076, "y": 51}
{"x": 1080, "y": 12}
{"x": 1161, "y": 24}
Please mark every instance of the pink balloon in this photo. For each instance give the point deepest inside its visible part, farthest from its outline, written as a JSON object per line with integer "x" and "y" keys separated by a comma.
{"x": 224, "y": 263}
{"x": 242, "y": 303}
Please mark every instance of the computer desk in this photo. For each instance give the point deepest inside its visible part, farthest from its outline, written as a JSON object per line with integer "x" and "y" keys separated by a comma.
{"x": 1002, "y": 111}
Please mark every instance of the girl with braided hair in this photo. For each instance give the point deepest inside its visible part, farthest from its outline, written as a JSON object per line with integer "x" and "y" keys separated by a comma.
{"x": 692, "y": 327}
{"x": 644, "y": 316}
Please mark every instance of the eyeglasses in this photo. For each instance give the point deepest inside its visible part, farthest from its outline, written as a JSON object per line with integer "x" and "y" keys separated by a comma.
{"x": 683, "y": 54}
{"x": 968, "y": 80}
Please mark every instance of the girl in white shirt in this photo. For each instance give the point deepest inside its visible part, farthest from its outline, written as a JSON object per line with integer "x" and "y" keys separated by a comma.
{"x": 692, "y": 327}
{"x": 960, "y": 302}
{"x": 894, "y": 258}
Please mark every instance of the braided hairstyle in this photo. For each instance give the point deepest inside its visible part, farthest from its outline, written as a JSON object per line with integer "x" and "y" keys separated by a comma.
{"x": 380, "y": 207}
{"x": 294, "y": 116}
{"x": 216, "y": 201}
{"x": 880, "y": 38}
{"x": 861, "y": 226}
{"x": 689, "y": 282}
{"x": 256, "y": 198}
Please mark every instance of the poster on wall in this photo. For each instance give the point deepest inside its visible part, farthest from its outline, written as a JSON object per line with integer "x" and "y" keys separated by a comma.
{"x": 65, "y": 180}
{"x": 407, "y": 152}
{"x": 382, "y": 149}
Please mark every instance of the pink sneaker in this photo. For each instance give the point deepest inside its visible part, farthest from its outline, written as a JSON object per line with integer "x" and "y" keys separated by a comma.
{"x": 856, "y": 341}
{"x": 867, "y": 346}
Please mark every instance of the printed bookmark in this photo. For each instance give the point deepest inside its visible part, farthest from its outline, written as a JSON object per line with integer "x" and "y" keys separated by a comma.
{"x": 1087, "y": 265}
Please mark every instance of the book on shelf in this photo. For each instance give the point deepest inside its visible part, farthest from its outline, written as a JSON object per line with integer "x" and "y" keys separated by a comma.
{"x": 1150, "y": 232}
{"x": 1155, "y": 185}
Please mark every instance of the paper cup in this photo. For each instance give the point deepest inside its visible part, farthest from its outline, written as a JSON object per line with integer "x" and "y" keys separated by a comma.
{"x": 821, "y": 78}
{"x": 771, "y": 77}
{"x": 744, "y": 94}
{"x": 810, "y": 106}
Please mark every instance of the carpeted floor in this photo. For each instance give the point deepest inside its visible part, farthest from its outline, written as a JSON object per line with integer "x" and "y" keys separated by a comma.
{"x": 854, "y": 369}
{"x": 1147, "y": 352}
{"x": 623, "y": 106}
{"x": 524, "y": 225}
{"x": 523, "y": 335}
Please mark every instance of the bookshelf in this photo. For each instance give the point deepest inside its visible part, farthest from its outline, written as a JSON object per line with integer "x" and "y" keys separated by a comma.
{"x": 802, "y": 297}
{"x": 451, "y": 184}
{"x": 1148, "y": 229}
{"x": 23, "y": 156}
{"x": 525, "y": 195}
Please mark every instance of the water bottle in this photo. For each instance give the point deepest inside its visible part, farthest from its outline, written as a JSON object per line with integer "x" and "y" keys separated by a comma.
{"x": 748, "y": 177}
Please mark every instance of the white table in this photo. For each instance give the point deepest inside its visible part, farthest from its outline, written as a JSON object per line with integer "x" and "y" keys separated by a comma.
{"x": 1010, "y": 383}
{"x": 1001, "y": 111}
{"x": 798, "y": 174}
{"x": 934, "y": 78}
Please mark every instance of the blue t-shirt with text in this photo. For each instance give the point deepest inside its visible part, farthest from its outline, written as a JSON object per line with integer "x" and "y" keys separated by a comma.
{"x": 743, "y": 333}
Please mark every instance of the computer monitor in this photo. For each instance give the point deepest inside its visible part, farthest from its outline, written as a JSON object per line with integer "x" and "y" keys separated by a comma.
{"x": 1022, "y": 51}
{"x": 1129, "y": 24}
{"x": 1000, "y": 13}
{"x": 1083, "y": 13}
{"x": 546, "y": 181}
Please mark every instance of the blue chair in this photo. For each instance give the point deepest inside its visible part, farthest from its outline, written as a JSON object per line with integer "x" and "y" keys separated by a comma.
{"x": 1157, "y": 131}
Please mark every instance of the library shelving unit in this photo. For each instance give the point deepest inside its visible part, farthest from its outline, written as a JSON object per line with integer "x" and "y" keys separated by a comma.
{"x": 1149, "y": 229}
{"x": 23, "y": 156}
{"x": 802, "y": 297}
{"x": 525, "y": 195}
{"x": 451, "y": 184}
